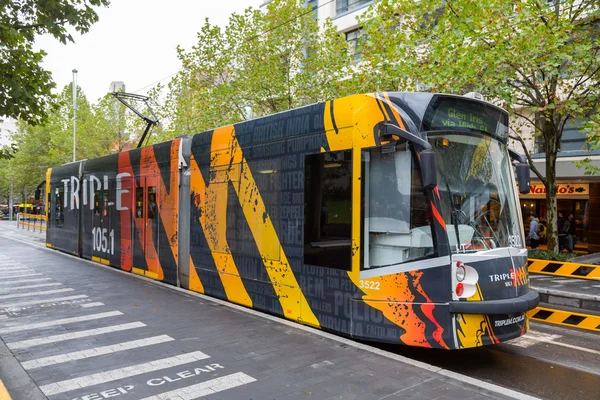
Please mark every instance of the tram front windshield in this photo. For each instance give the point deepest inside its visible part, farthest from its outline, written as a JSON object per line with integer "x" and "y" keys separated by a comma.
{"x": 476, "y": 191}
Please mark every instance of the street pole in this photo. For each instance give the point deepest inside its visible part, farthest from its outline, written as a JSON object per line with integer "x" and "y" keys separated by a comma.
{"x": 74, "y": 112}
{"x": 10, "y": 202}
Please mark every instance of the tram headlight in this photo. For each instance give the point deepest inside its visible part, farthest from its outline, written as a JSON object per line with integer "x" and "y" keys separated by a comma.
{"x": 461, "y": 272}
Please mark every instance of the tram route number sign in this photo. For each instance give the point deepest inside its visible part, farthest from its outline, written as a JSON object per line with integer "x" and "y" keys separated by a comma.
{"x": 455, "y": 114}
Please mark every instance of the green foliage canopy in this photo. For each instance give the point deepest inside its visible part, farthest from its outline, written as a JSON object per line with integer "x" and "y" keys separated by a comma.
{"x": 538, "y": 59}
{"x": 25, "y": 86}
{"x": 262, "y": 62}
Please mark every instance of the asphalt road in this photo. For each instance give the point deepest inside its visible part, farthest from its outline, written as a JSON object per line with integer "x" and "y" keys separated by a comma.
{"x": 549, "y": 362}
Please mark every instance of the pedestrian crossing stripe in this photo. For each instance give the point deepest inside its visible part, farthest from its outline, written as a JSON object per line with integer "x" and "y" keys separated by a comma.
{"x": 566, "y": 318}
{"x": 568, "y": 269}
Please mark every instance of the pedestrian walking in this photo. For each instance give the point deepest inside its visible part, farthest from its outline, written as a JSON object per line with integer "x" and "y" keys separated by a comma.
{"x": 533, "y": 231}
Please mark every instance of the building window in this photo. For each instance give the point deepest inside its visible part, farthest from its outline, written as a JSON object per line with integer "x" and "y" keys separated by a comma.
{"x": 343, "y": 6}
{"x": 573, "y": 138}
{"x": 328, "y": 210}
{"x": 355, "y": 39}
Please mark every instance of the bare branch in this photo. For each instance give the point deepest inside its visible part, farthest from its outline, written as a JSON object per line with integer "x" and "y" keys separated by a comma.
{"x": 526, "y": 118}
{"x": 531, "y": 84}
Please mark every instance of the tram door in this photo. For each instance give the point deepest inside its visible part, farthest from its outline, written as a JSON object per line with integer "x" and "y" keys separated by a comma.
{"x": 103, "y": 237}
{"x": 146, "y": 221}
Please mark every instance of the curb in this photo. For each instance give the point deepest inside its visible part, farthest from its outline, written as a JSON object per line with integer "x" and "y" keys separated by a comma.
{"x": 568, "y": 299}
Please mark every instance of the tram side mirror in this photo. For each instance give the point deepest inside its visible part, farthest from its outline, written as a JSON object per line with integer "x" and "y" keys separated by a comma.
{"x": 428, "y": 168}
{"x": 38, "y": 194}
{"x": 523, "y": 177}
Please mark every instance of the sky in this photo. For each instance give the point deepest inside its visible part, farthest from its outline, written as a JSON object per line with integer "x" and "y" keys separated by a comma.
{"x": 134, "y": 41}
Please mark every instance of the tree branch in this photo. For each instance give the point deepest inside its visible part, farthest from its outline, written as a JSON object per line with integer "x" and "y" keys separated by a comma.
{"x": 529, "y": 159}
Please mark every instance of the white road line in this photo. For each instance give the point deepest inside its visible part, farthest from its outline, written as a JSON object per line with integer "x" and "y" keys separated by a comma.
{"x": 4, "y": 283}
{"x": 121, "y": 373}
{"x": 570, "y": 346}
{"x": 40, "y": 325}
{"x": 42, "y": 293}
{"x": 23, "y": 344}
{"x": 20, "y": 271}
{"x": 39, "y": 285}
{"x": 7, "y": 306}
{"x": 205, "y": 388}
{"x": 88, "y": 305}
{"x": 13, "y": 268}
{"x": 534, "y": 337}
{"x": 18, "y": 276}
{"x": 98, "y": 351}
{"x": 531, "y": 338}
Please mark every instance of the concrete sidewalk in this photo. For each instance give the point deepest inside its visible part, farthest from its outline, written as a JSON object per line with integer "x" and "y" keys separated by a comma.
{"x": 93, "y": 332}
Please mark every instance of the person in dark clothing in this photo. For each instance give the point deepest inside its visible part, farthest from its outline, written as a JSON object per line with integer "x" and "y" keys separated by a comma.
{"x": 562, "y": 231}
{"x": 571, "y": 234}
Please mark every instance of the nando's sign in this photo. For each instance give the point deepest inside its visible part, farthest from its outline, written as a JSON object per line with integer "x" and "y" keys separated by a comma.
{"x": 537, "y": 189}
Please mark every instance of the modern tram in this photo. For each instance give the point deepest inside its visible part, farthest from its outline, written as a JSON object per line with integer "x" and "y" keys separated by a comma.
{"x": 388, "y": 217}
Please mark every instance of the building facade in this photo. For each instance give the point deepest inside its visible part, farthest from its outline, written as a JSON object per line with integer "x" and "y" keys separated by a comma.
{"x": 578, "y": 194}
{"x": 343, "y": 14}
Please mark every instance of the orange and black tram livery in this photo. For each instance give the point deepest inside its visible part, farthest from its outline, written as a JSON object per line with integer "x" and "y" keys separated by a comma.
{"x": 389, "y": 217}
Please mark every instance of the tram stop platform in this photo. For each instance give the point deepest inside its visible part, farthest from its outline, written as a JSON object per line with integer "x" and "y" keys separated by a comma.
{"x": 73, "y": 329}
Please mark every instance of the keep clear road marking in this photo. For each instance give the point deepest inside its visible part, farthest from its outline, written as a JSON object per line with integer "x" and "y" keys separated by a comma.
{"x": 42, "y": 293}
{"x": 8, "y": 306}
{"x": 94, "y": 352}
{"x": 534, "y": 337}
{"x": 39, "y": 285}
{"x": 121, "y": 373}
{"x": 5, "y": 283}
{"x": 23, "y": 344}
{"x": 205, "y": 388}
{"x": 40, "y": 325}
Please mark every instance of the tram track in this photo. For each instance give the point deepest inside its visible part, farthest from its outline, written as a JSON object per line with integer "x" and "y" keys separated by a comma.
{"x": 541, "y": 366}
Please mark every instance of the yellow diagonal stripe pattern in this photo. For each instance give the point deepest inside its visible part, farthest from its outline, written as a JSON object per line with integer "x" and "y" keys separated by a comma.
{"x": 558, "y": 317}
{"x": 566, "y": 269}
{"x": 212, "y": 201}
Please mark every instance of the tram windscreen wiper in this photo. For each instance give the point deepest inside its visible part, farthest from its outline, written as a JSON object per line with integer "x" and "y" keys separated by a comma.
{"x": 454, "y": 211}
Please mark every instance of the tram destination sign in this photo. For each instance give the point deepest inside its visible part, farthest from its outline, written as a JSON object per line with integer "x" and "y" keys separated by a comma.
{"x": 457, "y": 114}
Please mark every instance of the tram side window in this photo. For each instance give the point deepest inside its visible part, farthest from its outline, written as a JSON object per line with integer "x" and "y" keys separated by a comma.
{"x": 97, "y": 205}
{"x": 328, "y": 210}
{"x": 139, "y": 202}
{"x": 396, "y": 226}
{"x": 59, "y": 216}
{"x": 152, "y": 202}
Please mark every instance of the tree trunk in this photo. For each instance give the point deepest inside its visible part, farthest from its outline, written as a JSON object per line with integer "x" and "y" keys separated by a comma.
{"x": 551, "y": 187}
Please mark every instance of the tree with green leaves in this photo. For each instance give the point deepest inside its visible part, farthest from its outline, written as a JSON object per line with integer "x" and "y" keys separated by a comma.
{"x": 538, "y": 59}
{"x": 102, "y": 129}
{"x": 262, "y": 62}
{"x": 25, "y": 86}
